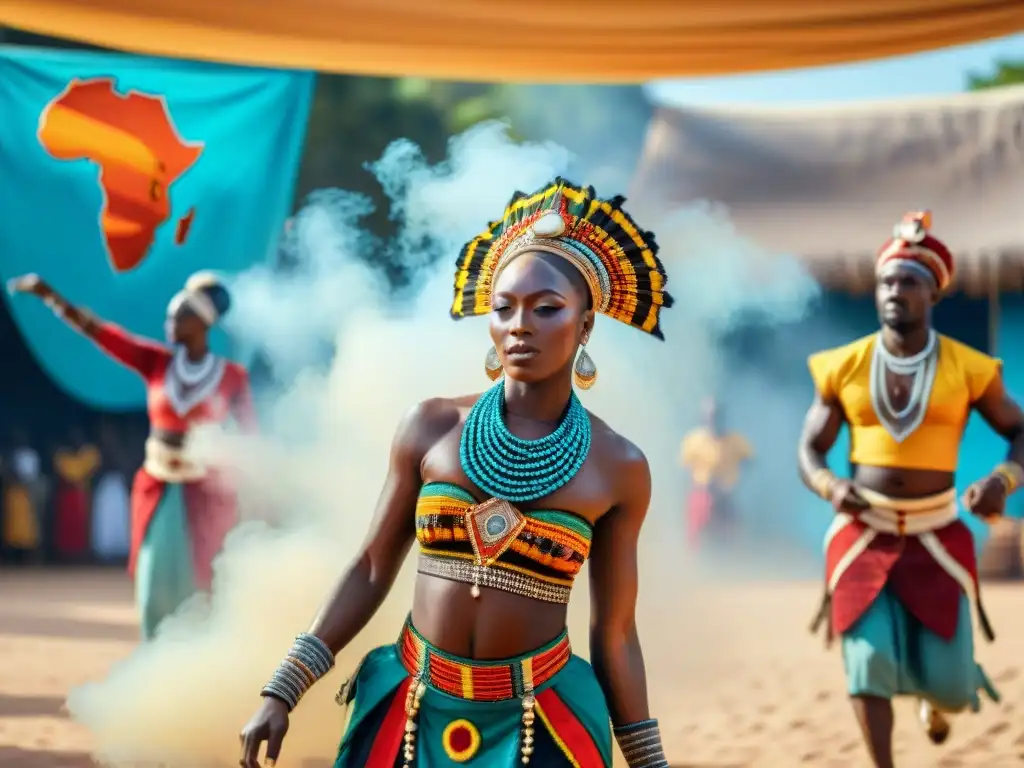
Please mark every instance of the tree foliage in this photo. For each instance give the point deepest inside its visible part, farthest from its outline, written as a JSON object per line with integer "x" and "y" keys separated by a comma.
{"x": 1004, "y": 72}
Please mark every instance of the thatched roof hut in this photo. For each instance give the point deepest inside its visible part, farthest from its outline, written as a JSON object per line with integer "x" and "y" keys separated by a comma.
{"x": 827, "y": 183}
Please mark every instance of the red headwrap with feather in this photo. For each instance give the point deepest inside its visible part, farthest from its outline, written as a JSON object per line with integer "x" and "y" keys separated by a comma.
{"x": 912, "y": 241}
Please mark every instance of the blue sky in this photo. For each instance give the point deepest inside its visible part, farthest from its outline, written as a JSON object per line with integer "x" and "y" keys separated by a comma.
{"x": 935, "y": 72}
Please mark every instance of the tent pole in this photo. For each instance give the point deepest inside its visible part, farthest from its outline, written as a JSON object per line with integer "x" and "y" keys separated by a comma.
{"x": 993, "y": 309}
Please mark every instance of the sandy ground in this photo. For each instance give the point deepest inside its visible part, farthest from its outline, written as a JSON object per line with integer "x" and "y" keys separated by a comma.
{"x": 769, "y": 696}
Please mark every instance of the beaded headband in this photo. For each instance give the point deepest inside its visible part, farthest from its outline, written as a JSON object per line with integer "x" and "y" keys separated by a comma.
{"x": 617, "y": 259}
{"x": 545, "y": 235}
{"x": 913, "y": 266}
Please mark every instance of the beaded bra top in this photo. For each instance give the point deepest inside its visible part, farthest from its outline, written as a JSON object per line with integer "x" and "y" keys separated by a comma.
{"x": 535, "y": 553}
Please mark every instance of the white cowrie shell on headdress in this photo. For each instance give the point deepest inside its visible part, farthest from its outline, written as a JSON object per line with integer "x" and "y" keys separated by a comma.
{"x": 549, "y": 225}
{"x": 911, "y": 231}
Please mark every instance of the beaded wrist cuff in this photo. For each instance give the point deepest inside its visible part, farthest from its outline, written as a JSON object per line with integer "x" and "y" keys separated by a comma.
{"x": 821, "y": 481}
{"x": 59, "y": 309}
{"x": 1012, "y": 475}
{"x": 641, "y": 744}
{"x": 308, "y": 660}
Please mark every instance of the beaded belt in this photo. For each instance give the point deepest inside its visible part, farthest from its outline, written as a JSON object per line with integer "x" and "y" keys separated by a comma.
{"x": 468, "y": 572}
{"x": 171, "y": 465}
{"x": 909, "y": 517}
{"x": 481, "y": 680}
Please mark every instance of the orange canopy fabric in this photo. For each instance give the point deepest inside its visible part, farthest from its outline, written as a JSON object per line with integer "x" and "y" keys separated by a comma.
{"x": 521, "y": 40}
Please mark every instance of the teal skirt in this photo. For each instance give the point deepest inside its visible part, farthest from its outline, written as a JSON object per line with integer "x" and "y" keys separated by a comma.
{"x": 570, "y": 723}
{"x": 164, "y": 575}
{"x": 888, "y": 653}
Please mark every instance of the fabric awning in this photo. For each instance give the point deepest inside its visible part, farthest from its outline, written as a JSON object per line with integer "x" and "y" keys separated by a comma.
{"x": 827, "y": 183}
{"x": 599, "y": 41}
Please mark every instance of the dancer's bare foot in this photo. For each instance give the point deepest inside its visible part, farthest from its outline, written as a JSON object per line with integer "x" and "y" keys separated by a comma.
{"x": 934, "y": 722}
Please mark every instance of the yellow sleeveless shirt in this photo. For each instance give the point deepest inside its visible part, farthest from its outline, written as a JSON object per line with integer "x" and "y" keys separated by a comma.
{"x": 843, "y": 375}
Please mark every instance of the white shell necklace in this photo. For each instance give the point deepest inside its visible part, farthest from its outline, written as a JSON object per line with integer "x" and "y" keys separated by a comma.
{"x": 922, "y": 367}
{"x": 188, "y": 383}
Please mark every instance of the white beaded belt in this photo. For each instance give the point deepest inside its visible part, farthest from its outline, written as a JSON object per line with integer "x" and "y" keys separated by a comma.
{"x": 908, "y": 517}
{"x": 171, "y": 465}
{"x": 496, "y": 577}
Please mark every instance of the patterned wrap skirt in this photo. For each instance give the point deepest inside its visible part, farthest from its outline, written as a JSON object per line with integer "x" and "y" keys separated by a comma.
{"x": 412, "y": 703}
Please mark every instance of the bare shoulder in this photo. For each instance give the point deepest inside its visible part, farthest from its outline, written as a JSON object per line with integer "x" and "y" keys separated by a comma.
{"x": 619, "y": 455}
{"x": 433, "y": 416}
{"x": 431, "y": 420}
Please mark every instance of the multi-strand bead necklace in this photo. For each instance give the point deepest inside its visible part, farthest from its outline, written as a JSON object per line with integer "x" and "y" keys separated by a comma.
{"x": 517, "y": 470}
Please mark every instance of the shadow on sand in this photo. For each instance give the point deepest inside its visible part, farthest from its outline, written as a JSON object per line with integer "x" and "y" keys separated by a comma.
{"x": 15, "y": 757}
{"x": 66, "y": 628}
{"x": 31, "y": 706}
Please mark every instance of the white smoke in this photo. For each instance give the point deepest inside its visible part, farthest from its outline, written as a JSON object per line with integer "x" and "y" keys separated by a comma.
{"x": 320, "y": 462}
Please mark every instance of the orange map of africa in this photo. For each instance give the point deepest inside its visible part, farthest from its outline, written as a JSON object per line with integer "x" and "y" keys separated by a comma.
{"x": 139, "y": 153}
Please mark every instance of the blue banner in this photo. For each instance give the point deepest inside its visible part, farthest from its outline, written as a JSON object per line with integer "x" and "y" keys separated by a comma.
{"x": 120, "y": 176}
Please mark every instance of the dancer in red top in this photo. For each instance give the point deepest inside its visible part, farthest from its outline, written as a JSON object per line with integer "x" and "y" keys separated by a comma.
{"x": 181, "y": 509}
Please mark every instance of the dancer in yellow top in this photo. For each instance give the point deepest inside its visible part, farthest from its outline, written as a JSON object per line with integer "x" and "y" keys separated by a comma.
{"x": 714, "y": 458}
{"x": 900, "y": 564}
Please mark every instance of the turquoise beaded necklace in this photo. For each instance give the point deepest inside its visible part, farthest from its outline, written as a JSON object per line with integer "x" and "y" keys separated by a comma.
{"x": 510, "y": 468}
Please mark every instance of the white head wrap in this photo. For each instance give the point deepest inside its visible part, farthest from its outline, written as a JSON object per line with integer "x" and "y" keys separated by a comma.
{"x": 196, "y": 299}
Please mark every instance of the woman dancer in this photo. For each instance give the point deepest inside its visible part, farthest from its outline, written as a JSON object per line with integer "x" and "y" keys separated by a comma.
{"x": 507, "y": 493}
{"x": 181, "y": 510}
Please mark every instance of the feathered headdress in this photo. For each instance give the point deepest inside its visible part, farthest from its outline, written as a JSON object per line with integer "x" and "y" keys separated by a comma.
{"x": 618, "y": 259}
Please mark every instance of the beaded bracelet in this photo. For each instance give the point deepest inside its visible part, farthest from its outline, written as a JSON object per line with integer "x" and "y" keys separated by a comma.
{"x": 1012, "y": 475}
{"x": 641, "y": 744}
{"x": 822, "y": 480}
{"x": 59, "y": 309}
{"x": 308, "y": 660}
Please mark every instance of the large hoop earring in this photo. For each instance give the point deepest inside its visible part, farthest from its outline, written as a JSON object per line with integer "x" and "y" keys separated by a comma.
{"x": 492, "y": 364}
{"x": 584, "y": 372}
